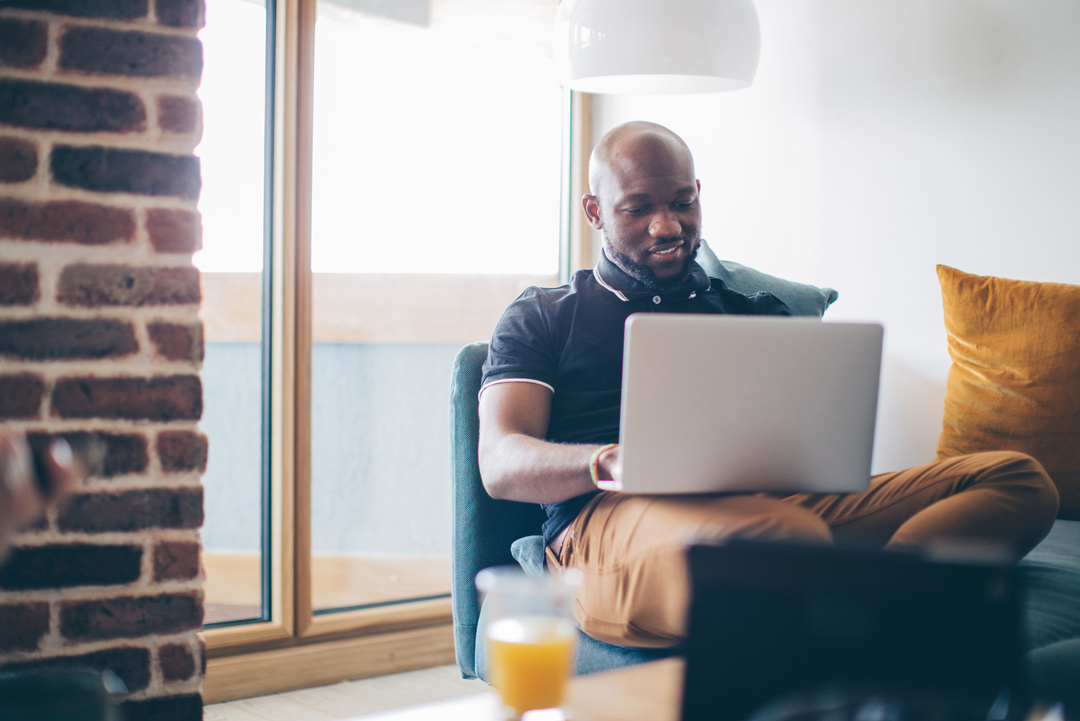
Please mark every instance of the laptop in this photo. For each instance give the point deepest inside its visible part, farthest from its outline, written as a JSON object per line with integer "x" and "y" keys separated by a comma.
{"x": 714, "y": 403}
{"x": 779, "y": 631}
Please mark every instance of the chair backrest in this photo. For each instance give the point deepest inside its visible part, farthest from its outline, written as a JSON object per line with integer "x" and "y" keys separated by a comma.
{"x": 801, "y": 298}
{"x": 483, "y": 528}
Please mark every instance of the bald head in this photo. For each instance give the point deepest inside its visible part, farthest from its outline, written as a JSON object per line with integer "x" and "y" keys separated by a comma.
{"x": 644, "y": 202}
{"x": 628, "y": 148}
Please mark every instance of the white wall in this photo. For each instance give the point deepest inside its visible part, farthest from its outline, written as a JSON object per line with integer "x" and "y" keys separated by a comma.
{"x": 879, "y": 139}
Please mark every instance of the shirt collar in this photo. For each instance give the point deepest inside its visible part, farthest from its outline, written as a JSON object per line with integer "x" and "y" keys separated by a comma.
{"x": 627, "y": 288}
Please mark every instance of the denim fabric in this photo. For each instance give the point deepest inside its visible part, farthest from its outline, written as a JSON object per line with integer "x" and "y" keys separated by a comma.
{"x": 529, "y": 553}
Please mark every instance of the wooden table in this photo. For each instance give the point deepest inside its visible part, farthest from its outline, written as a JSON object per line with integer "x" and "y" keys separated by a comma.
{"x": 647, "y": 692}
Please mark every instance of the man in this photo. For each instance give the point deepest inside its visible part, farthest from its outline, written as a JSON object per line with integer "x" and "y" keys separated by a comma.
{"x": 549, "y": 419}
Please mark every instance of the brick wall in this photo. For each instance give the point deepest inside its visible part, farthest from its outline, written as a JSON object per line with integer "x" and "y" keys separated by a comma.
{"x": 99, "y": 336}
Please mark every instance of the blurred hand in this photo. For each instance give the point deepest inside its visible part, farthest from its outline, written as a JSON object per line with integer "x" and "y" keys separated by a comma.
{"x": 24, "y": 497}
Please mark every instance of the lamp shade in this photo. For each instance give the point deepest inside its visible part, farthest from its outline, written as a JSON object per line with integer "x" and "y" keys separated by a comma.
{"x": 656, "y": 46}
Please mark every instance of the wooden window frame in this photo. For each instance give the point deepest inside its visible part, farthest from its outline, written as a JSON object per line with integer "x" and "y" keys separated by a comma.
{"x": 297, "y": 648}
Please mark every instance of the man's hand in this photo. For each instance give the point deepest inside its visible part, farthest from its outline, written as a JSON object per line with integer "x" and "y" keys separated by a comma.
{"x": 609, "y": 468}
{"x": 516, "y": 462}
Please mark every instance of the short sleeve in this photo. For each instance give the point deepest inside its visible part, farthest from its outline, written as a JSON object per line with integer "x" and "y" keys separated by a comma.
{"x": 521, "y": 347}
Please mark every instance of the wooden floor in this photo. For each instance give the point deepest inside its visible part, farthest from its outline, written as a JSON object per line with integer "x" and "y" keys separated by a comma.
{"x": 348, "y": 700}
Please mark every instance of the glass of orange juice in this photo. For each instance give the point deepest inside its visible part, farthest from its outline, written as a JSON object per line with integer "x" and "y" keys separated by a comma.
{"x": 531, "y": 637}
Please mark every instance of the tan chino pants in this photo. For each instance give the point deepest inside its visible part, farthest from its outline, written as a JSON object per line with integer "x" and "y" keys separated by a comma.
{"x": 630, "y": 547}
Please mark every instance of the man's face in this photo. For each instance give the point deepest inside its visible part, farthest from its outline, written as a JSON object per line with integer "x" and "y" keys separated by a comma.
{"x": 647, "y": 209}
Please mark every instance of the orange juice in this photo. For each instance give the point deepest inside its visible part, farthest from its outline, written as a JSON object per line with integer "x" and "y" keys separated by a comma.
{"x": 530, "y": 659}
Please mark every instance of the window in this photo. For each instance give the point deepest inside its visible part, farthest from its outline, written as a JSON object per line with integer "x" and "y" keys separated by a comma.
{"x": 413, "y": 189}
{"x": 423, "y": 229}
{"x": 232, "y": 152}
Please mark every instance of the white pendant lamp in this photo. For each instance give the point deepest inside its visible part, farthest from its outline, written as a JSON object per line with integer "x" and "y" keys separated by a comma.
{"x": 656, "y": 46}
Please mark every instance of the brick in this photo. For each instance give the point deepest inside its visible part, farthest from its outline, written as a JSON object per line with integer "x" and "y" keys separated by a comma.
{"x": 182, "y": 451}
{"x": 72, "y": 221}
{"x": 121, "y": 453}
{"x": 174, "y": 231}
{"x": 124, "y": 285}
{"x": 22, "y": 42}
{"x": 117, "y": 9}
{"x": 132, "y": 665}
{"x": 111, "y": 170}
{"x": 23, "y": 625}
{"x": 66, "y": 338}
{"x": 133, "y": 510}
{"x": 176, "y": 662}
{"x": 21, "y": 395}
{"x": 176, "y": 341}
{"x": 70, "y": 108}
{"x": 181, "y": 13}
{"x": 176, "y": 561}
{"x": 18, "y": 160}
{"x": 130, "y": 617}
{"x": 18, "y": 284}
{"x": 163, "y": 398}
{"x": 131, "y": 53}
{"x": 169, "y": 708}
{"x": 124, "y": 454}
{"x": 178, "y": 114}
{"x": 69, "y": 566}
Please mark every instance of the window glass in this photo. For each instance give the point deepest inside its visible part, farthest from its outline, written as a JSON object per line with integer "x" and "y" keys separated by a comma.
{"x": 435, "y": 200}
{"x": 232, "y": 157}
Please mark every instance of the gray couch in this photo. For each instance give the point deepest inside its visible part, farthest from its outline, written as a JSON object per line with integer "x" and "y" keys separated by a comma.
{"x": 487, "y": 532}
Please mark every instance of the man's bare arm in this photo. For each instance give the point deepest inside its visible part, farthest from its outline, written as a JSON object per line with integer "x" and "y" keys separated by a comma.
{"x": 516, "y": 463}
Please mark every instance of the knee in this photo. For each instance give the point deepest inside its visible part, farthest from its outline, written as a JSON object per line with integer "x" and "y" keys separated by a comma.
{"x": 794, "y": 523}
{"x": 1028, "y": 486}
{"x": 1027, "y": 480}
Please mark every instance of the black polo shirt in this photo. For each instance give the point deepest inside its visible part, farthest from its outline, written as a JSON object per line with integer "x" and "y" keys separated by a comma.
{"x": 570, "y": 339}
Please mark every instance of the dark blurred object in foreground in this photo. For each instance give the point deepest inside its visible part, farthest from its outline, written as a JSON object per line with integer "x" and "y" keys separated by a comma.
{"x": 851, "y": 635}
{"x": 59, "y": 696}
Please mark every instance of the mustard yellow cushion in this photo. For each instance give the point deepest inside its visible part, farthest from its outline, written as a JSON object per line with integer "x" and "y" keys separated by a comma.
{"x": 1015, "y": 378}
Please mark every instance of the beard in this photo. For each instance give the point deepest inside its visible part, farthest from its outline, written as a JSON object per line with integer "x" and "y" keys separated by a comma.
{"x": 645, "y": 275}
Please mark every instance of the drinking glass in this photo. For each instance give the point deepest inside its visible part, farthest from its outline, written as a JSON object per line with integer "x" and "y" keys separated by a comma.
{"x": 530, "y": 636}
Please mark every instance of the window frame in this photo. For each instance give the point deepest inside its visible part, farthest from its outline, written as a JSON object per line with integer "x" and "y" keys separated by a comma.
{"x": 296, "y": 647}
